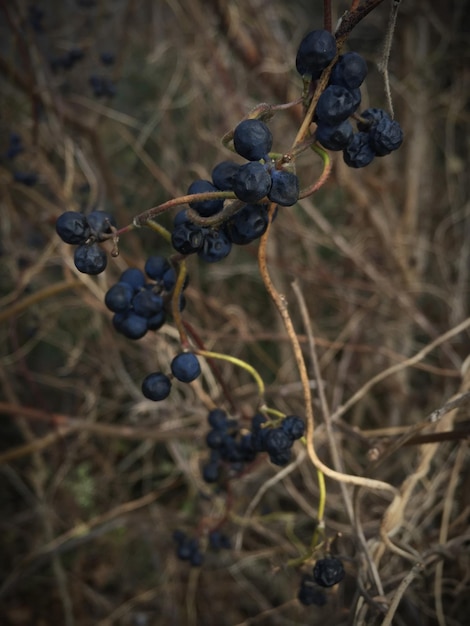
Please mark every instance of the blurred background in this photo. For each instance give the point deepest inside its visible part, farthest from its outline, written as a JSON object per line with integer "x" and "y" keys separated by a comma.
{"x": 120, "y": 105}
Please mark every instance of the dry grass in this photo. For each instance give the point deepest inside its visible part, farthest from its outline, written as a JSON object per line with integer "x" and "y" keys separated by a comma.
{"x": 94, "y": 478}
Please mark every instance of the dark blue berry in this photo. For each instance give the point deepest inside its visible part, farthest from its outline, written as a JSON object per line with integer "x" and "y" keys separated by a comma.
{"x": 187, "y": 238}
{"x": 216, "y": 246}
{"x": 185, "y": 367}
{"x": 316, "y": 50}
{"x": 281, "y": 457}
{"x": 218, "y": 419}
{"x": 156, "y": 386}
{"x": 156, "y": 321}
{"x": 335, "y": 137}
{"x": 252, "y": 139}
{"x": 293, "y": 426}
{"x": 118, "y": 298}
{"x": 284, "y": 188}
{"x": 248, "y": 224}
{"x": 328, "y": 571}
{"x": 336, "y": 104}
{"x": 385, "y": 136}
{"x": 90, "y": 259}
{"x": 252, "y": 182}
{"x": 147, "y": 304}
{"x": 196, "y": 559}
{"x": 276, "y": 440}
{"x": 100, "y": 223}
{"x": 134, "y": 277}
{"x": 211, "y": 472}
{"x": 156, "y": 266}
{"x": 205, "y": 208}
{"x": 72, "y": 227}
{"x": 223, "y": 174}
{"x": 215, "y": 438}
{"x": 350, "y": 71}
{"x": 219, "y": 541}
{"x": 369, "y": 117}
{"x": 130, "y": 324}
{"x": 359, "y": 152}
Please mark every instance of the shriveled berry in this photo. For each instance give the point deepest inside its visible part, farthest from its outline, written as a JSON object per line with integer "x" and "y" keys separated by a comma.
{"x": 385, "y": 136}
{"x": 252, "y": 139}
{"x": 187, "y": 238}
{"x": 359, "y": 152}
{"x": 72, "y": 227}
{"x": 90, "y": 259}
{"x": 328, "y": 571}
{"x": 216, "y": 246}
{"x": 252, "y": 182}
{"x": 248, "y": 224}
{"x": 293, "y": 426}
{"x": 156, "y": 386}
{"x": 336, "y": 104}
{"x": 100, "y": 223}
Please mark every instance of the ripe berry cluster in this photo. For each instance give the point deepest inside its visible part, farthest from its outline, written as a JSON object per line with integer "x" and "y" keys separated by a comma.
{"x": 86, "y": 231}
{"x": 229, "y": 446}
{"x": 377, "y": 135}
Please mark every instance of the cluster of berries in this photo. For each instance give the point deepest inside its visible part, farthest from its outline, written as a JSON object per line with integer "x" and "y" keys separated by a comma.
{"x": 327, "y": 572}
{"x": 228, "y": 445}
{"x": 139, "y": 304}
{"x": 188, "y": 549}
{"x": 252, "y": 182}
{"x": 377, "y": 135}
{"x": 86, "y": 231}
{"x": 102, "y": 86}
{"x": 67, "y": 61}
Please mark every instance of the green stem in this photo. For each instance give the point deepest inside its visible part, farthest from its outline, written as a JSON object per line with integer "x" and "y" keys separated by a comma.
{"x": 235, "y": 361}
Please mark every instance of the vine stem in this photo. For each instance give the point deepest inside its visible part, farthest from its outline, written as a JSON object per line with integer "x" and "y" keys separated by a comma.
{"x": 281, "y": 304}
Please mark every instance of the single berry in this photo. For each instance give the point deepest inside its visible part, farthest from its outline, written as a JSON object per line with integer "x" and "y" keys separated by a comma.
{"x": 216, "y": 246}
{"x": 252, "y": 182}
{"x": 248, "y": 224}
{"x": 328, "y": 571}
{"x": 335, "y": 137}
{"x": 100, "y": 223}
{"x": 359, "y": 152}
{"x": 210, "y": 472}
{"x": 156, "y": 266}
{"x": 215, "y": 438}
{"x": 284, "y": 188}
{"x": 118, "y": 298}
{"x": 147, "y": 304}
{"x": 134, "y": 277}
{"x": 217, "y": 418}
{"x": 130, "y": 324}
{"x": 187, "y": 238}
{"x": 252, "y": 139}
{"x": 316, "y": 50}
{"x": 276, "y": 440}
{"x": 336, "y": 104}
{"x": 350, "y": 71}
{"x": 185, "y": 367}
{"x": 205, "y": 208}
{"x": 156, "y": 386}
{"x": 219, "y": 541}
{"x": 90, "y": 259}
{"x": 281, "y": 457}
{"x": 72, "y": 227}
{"x": 223, "y": 173}
{"x": 385, "y": 136}
{"x": 107, "y": 58}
